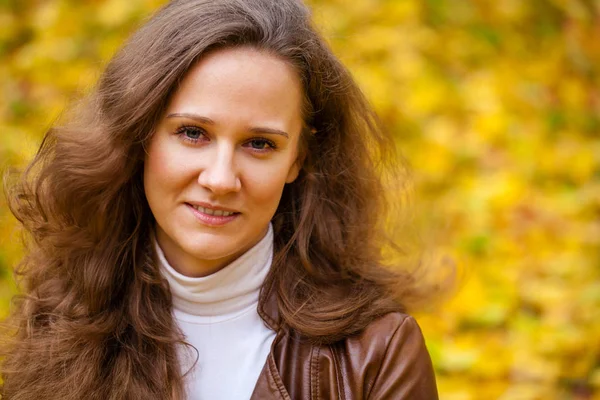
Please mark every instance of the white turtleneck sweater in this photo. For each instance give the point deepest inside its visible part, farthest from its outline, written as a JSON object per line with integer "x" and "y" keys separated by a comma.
{"x": 218, "y": 315}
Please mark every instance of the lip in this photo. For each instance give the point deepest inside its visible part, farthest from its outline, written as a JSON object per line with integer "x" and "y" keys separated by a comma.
{"x": 211, "y": 206}
{"x": 211, "y": 220}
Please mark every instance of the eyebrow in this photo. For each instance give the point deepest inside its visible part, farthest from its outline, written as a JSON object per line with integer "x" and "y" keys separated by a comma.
{"x": 208, "y": 121}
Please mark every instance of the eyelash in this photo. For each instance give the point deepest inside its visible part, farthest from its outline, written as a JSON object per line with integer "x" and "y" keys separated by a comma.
{"x": 183, "y": 129}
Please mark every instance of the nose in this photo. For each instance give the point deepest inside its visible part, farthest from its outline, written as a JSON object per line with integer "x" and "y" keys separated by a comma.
{"x": 219, "y": 174}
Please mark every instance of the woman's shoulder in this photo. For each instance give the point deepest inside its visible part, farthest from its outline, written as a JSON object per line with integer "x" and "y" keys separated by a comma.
{"x": 392, "y": 354}
{"x": 388, "y": 359}
{"x": 391, "y": 329}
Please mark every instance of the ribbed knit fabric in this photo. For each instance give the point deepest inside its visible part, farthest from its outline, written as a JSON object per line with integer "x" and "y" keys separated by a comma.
{"x": 218, "y": 315}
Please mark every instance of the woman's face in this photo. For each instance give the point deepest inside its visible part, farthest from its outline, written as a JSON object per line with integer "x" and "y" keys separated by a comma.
{"x": 219, "y": 159}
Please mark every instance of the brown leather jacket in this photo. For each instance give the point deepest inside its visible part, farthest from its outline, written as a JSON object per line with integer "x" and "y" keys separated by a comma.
{"x": 388, "y": 360}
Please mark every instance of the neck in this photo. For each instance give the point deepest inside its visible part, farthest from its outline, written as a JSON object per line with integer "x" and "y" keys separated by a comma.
{"x": 230, "y": 290}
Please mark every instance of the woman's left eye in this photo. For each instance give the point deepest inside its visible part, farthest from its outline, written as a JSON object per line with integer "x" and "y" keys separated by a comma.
{"x": 261, "y": 144}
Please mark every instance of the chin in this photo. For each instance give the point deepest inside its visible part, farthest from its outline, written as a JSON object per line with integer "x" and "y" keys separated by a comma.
{"x": 210, "y": 249}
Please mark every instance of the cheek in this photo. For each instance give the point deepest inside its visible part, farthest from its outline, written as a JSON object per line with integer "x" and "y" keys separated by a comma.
{"x": 264, "y": 183}
{"x": 160, "y": 170}
{"x": 265, "y": 187}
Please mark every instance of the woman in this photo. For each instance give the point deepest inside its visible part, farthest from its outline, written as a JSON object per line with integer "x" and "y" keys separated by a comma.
{"x": 208, "y": 225}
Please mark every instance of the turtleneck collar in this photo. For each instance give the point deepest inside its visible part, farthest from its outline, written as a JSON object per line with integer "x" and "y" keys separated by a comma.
{"x": 225, "y": 293}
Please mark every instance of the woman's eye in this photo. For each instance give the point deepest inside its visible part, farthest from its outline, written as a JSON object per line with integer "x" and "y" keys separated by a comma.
{"x": 261, "y": 144}
{"x": 191, "y": 133}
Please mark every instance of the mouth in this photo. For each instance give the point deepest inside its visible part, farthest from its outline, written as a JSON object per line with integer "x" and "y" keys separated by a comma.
{"x": 213, "y": 211}
{"x": 212, "y": 216}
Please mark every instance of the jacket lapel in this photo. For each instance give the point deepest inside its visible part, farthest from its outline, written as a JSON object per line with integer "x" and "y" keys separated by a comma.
{"x": 269, "y": 385}
{"x": 267, "y": 306}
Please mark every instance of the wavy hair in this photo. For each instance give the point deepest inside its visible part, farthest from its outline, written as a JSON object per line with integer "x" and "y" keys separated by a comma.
{"x": 94, "y": 318}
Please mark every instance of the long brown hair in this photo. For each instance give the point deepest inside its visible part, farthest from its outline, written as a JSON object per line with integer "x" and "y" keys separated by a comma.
{"x": 94, "y": 320}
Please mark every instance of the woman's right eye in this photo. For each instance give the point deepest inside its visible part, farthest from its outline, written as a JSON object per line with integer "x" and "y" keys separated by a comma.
{"x": 191, "y": 133}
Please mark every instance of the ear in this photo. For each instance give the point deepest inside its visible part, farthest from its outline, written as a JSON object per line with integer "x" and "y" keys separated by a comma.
{"x": 297, "y": 166}
{"x": 294, "y": 170}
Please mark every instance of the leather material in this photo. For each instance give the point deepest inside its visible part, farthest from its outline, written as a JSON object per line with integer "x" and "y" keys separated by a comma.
{"x": 387, "y": 360}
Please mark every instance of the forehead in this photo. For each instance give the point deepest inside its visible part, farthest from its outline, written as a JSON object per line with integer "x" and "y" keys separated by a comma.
{"x": 248, "y": 83}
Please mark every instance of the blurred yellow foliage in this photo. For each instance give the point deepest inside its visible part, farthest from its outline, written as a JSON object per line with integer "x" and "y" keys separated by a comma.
{"x": 496, "y": 104}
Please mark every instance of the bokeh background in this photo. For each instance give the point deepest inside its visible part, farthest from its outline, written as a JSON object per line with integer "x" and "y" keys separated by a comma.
{"x": 495, "y": 103}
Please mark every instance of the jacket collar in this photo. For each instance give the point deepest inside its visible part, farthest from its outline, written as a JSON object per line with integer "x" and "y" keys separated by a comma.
{"x": 267, "y": 305}
{"x": 269, "y": 384}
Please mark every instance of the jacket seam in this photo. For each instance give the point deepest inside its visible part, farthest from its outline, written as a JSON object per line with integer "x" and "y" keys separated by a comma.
{"x": 314, "y": 373}
{"x": 278, "y": 383}
{"x": 387, "y": 348}
{"x": 336, "y": 365}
